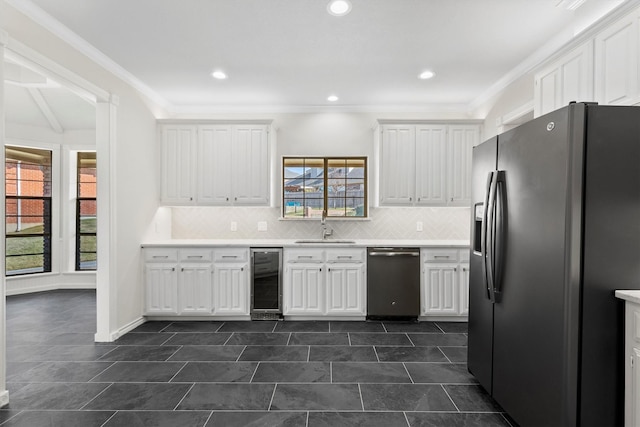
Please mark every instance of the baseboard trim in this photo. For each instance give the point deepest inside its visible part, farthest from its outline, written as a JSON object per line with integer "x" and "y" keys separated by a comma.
{"x": 120, "y": 332}
{"x": 49, "y": 287}
{"x": 4, "y": 398}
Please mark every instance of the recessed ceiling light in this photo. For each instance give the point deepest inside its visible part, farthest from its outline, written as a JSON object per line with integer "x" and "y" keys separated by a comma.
{"x": 339, "y": 7}
{"x": 220, "y": 75}
{"x": 427, "y": 74}
{"x": 332, "y": 98}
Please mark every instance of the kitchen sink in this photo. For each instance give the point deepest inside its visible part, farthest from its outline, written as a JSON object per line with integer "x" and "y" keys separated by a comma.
{"x": 326, "y": 241}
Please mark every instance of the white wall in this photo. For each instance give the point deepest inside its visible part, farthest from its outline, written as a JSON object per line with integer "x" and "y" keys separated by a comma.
{"x": 133, "y": 189}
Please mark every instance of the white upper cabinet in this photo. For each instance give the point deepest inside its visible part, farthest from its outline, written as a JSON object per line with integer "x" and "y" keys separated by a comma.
{"x": 616, "y": 62}
{"x": 397, "y": 165}
{"x": 178, "y": 164}
{"x": 426, "y": 164}
{"x": 214, "y": 152}
{"x": 215, "y": 164}
{"x": 462, "y": 139}
{"x": 430, "y": 164}
{"x": 250, "y": 159}
{"x": 567, "y": 79}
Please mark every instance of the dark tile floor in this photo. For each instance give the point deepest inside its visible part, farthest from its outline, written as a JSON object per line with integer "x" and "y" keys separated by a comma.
{"x": 261, "y": 373}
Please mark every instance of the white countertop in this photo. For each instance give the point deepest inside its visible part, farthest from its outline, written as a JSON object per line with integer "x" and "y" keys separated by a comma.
{"x": 292, "y": 242}
{"x": 631, "y": 296}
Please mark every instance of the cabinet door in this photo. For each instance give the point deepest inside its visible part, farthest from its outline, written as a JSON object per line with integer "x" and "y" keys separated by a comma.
{"x": 397, "y": 165}
{"x": 345, "y": 289}
{"x": 161, "y": 288}
{"x": 178, "y": 164}
{"x": 214, "y": 165}
{"x": 195, "y": 289}
{"x": 440, "y": 293}
{"x": 231, "y": 288}
{"x": 616, "y": 63}
{"x": 431, "y": 165}
{"x": 250, "y": 161}
{"x": 303, "y": 289}
{"x": 463, "y": 285}
{"x": 547, "y": 91}
{"x": 461, "y": 140}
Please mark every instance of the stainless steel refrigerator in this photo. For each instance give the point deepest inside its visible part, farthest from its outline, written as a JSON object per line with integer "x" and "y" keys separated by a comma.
{"x": 555, "y": 230}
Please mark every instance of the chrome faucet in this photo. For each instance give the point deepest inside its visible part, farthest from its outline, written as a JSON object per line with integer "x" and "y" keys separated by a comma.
{"x": 325, "y": 232}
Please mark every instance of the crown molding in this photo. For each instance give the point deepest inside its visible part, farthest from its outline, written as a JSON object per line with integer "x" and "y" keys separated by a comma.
{"x": 553, "y": 49}
{"x": 42, "y": 18}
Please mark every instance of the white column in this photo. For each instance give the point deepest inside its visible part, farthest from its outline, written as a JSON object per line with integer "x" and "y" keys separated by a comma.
{"x": 106, "y": 275}
{"x": 4, "y": 393}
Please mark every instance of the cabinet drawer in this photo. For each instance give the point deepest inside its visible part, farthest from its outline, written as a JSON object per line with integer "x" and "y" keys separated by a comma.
{"x": 304, "y": 255}
{"x": 440, "y": 255}
{"x": 345, "y": 255}
{"x": 160, "y": 255}
{"x": 231, "y": 255}
{"x": 194, "y": 255}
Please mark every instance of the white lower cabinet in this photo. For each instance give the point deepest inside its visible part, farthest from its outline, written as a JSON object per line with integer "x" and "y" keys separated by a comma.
{"x": 445, "y": 282}
{"x": 194, "y": 287}
{"x": 230, "y": 288}
{"x": 303, "y": 289}
{"x": 345, "y": 289}
{"x": 161, "y": 296}
{"x": 327, "y": 282}
{"x": 196, "y": 282}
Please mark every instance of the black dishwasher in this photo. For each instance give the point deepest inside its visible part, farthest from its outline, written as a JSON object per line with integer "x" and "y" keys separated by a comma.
{"x": 393, "y": 283}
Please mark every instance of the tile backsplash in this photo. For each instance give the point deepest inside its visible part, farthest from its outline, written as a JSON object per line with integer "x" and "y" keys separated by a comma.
{"x": 383, "y": 223}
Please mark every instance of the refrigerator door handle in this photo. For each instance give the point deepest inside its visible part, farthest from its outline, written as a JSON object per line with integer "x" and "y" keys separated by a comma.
{"x": 499, "y": 234}
{"x": 488, "y": 231}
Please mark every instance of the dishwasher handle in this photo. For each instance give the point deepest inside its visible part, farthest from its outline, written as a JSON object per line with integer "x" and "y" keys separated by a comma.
{"x": 394, "y": 254}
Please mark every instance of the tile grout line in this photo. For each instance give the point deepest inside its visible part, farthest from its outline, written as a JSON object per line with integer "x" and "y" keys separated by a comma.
{"x": 447, "y": 393}
{"x": 376, "y": 353}
{"x": 254, "y": 372}
{"x": 185, "y": 395}
{"x": 208, "y": 419}
{"x": 109, "y": 419}
{"x": 361, "y": 399}
{"x": 241, "y": 353}
{"x": 410, "y": 340}
{"x": 179, "y": 370}
{"x": 405, "y": 368}
{"x": 167, "y": 340}
{"x": 227, "y": 340}
{"x": 444, "y": 354}
{"x": 275, "y": 386}
{"x": 96, "y": 396}
{"x": 406, "y": 418}
{"x": 99, "y": 373}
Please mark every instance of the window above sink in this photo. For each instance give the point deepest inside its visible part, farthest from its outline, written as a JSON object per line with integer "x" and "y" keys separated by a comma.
{"x": 335, "y": 187}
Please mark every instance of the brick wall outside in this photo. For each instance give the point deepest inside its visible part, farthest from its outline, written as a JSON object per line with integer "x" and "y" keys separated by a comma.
{"x": 31, "y": 184}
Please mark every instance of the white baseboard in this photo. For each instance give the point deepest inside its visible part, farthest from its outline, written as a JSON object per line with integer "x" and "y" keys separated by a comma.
{"x": 120, "y": 332}
{"x": 48, "y": 287}
{"x": 4, "y": 398}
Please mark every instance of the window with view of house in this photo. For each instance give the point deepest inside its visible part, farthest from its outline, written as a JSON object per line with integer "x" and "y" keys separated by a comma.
{"x": 28, "y": 210}
{"x": 336, "y": 186}
{"x": 86, "y": 210}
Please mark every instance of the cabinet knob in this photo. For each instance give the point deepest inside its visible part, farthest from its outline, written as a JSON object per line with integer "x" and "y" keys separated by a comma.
{"x": 227, "y": 199}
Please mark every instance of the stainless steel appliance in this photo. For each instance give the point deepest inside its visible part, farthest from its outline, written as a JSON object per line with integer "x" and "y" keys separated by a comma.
{"x": 393, "y": 283}
{"x": 555, "y": 229}
{"x": 266, "y": 283}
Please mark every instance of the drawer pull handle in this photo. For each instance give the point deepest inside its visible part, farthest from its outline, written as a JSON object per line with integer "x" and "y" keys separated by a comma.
{"x": 194, "y": 256}
{"x": 230, "y": 256}
{"x": 441, "y": 256}
{"x": 160, "y": 256}
{"x": 305, "y": 256}
{"x": 344, "y": 257}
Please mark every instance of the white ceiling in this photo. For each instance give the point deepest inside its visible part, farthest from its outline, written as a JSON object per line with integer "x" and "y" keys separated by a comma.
{"x": 291, "y": 54}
